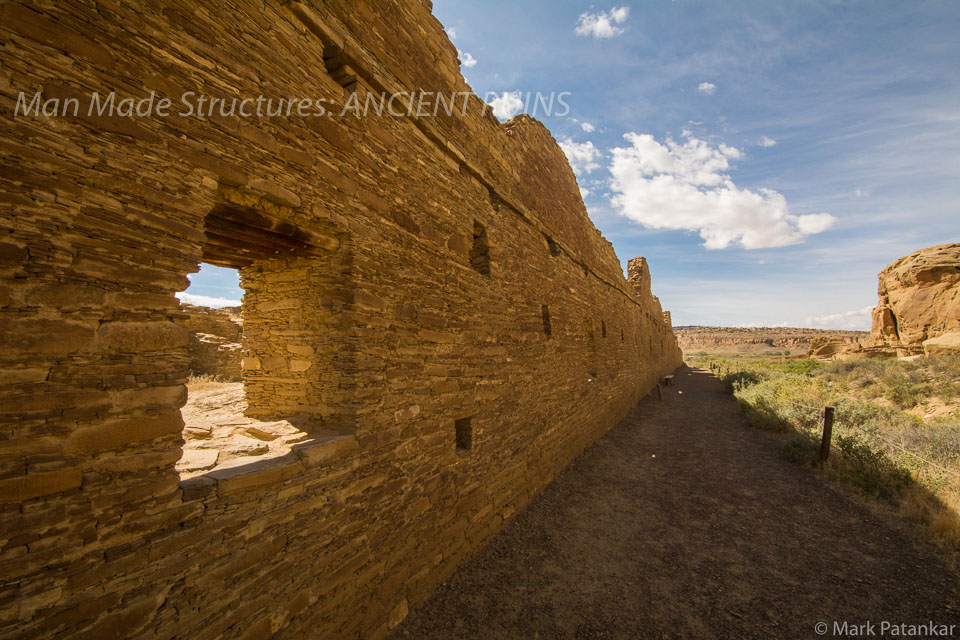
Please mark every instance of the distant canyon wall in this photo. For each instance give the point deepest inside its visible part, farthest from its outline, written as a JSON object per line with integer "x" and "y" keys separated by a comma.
{"x": 758, "y": 341}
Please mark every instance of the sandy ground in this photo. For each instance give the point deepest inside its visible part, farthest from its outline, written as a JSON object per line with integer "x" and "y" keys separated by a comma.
{"x": 684, "y": 522}
{"x": 218, "y": 435}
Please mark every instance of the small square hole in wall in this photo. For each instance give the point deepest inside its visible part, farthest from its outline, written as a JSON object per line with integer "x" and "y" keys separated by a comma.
{"x": 464, "y": 434}
{"x": 545, "y": 315}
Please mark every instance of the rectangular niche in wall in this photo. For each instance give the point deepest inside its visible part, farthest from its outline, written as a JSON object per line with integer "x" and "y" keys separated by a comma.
{"x": 464, "y": 435}
{"x": 545, "y": 316}
{"x": 480, "y": 251}
{"x": 552, "y": 246}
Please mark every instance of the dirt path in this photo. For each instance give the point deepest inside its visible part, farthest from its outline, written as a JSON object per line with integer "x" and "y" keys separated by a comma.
{"x": 717, "y": 536}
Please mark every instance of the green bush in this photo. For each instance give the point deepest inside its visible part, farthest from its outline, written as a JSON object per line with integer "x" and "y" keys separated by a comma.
{"x": 801, "y": 448}
{"x": 740, "y": 380}
{"x": 869, "y": 470}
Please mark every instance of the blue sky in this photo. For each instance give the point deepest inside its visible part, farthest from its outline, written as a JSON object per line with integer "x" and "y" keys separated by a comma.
{"x": 824, "y": 136}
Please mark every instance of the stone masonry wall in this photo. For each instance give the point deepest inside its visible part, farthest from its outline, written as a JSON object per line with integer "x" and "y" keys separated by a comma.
{"x": 214, "y": 342}
{"x": 425, "y": 294}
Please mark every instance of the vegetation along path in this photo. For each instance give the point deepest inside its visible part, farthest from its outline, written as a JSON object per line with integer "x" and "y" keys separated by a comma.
{"x": 685, "y": 522}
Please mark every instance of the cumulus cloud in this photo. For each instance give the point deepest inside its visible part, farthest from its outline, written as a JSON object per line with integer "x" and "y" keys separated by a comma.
{"x": 584, "y": 192}
{"x": 858, "y": 320}
{"x": 466, "y": 59}
{"x": 506, "y": 105}
{"x": 860, "y": 193}
{"x": 586, "y": 126}
{"x": 583, "y": 156}
{"x": 206, "y": 301}
{"x": 707, "y": 88}
{"x": 451, "y": 33}
{"x": 766, "y": 142}
{"x": 602, "y": 25}
{"x": 685, "y": 186}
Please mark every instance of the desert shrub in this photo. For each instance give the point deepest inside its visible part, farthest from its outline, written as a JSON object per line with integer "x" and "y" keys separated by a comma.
{"x": 802, "y": 367}
{"x": 740, "y": 380}
{"x": 801, "y": 448}
{"x": 203, "y": 380}
{"x": 869, "y": 469}
{"x": 763, "y": 414}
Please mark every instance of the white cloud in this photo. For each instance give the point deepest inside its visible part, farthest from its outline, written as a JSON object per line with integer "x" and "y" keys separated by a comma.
{"x": 506, "y": 105}
{"x": 206, "y": 301}
{"x": 684, "y": 186}
{"x": 766, "y": 142}
{"x": 466, "y": 59}
{"x": 601, "y": 25}
{"x": 584, "y": 192}
{"x": 860, "y": 193}
{"x": 451, "y": 33}
{"x": 583, "y": 156}
{"x": 859, "y": 319}
{"x": 707, "y": 88}
{"x": 586, "y": 126}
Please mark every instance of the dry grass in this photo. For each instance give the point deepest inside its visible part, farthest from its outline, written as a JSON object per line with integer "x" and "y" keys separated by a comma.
{"x": 202, "y": 381}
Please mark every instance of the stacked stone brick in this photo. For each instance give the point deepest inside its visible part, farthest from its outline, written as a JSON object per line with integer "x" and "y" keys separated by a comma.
{"x": 365, "y": 319}
{"x": 215, "y": 345}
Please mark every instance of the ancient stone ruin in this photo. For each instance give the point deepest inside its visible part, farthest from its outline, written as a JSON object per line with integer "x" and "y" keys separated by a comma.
{"x": 425, "y": 299}
{"x": 215, "y": 337}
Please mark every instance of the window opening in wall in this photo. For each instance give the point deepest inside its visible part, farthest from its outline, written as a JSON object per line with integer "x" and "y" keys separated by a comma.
{"x": 214, "y": 413}
{"x": 603, "y": 329}
{"x": 464, "y": 434}
{"x": 243, "y": 409}
{"x": 545, "y": 316}
{"x": 552, "y": 246}
{"x": 480, "y": 251}
{"x": 621, "y": 336}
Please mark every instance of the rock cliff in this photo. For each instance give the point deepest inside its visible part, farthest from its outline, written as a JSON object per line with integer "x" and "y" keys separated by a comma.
{"x": 919, "y": 300}
{"x": 757, "y": 341}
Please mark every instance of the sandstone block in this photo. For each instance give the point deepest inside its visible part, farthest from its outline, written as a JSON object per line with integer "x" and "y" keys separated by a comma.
{"x": 139, "y": 337}
{"x": 34, "y": 485}
{"x": 946, "y": 344}
{"x": 321, "y": 451}
{"x": 131, "y": 399}
{"x": 298, "y": 366}
{"x": 41, "y": 336}
{"x": 198, "y": 460}
{"x": 66, "y": 296}
{"x": 21, "y": 376}
{"x": 276, "y": 192}
{"x": 112, "y": 434}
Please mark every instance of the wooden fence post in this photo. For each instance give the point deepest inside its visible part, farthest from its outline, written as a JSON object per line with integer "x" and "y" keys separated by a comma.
{"x": 827, "y": 434}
